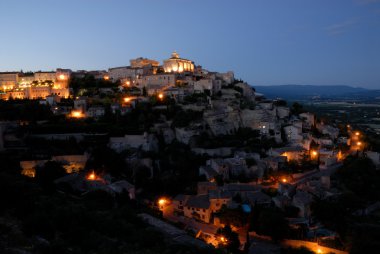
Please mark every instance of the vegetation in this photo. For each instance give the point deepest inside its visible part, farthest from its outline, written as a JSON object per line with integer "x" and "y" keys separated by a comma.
{"x": 26, "y": 110}
{"x": 297, "y": 108}
{"x": 359, "y": 183}
{"x": 269, "y": 221}
{"x": 88, "y": 82}
{"x": 44, "y": 221}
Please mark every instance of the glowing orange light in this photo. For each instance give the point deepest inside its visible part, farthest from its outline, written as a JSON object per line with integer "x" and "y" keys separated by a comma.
{"x": 286, "y": 155}
{"x": 162, "y": 201}
{"x": 359, "y": 143}
{"x": 340, "y": 156}
{"x": 76, "y": 114}
{"x": 127, "y": 99}
{"x": 106, "y": 77}
{"x": 29, "y": 172}
{"x": 91, "y": 176}
{"x": 357, "y": 133}
{"x": 314, "y": 153}
{"x": 319, "y": 251}
{"x": 127, "y": 83}
{"x": 223, "y": 240}
{"x": 284, "y": 180}
{"x": 161, "y": 96}
{"x": 62, "y": 77}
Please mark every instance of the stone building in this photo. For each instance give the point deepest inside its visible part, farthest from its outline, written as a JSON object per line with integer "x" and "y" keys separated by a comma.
{"x": 143, "y": 62}
{"x": 177, "y": 64}
{"x": 35, "y": 86}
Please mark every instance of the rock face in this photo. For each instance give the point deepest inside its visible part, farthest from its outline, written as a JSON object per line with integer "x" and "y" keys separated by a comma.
{"x": 222, "y": 122}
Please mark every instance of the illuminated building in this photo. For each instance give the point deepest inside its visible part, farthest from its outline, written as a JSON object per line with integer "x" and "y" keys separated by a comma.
{"x": 177, "y": 64}
{"x": 25, "y": 80}
{"x": 157, "y": 83}
{"x": 139, "y": 67}
{"x": 119, "y": 73}
{"x": 35, "y": 86}
{"x": 43, "y": 76}
{"x": 143, "y": 62}
{"x": 8, "y": 80}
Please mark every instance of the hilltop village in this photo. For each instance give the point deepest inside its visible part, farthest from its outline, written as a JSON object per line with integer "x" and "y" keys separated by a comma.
{"x": 198, "y": 155}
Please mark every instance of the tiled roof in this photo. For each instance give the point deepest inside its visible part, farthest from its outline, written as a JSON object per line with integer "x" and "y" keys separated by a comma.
{"x": 200, "y": 201}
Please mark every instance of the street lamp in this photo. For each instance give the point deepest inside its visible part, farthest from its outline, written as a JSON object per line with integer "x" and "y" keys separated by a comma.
{"x": 162, "y": 202}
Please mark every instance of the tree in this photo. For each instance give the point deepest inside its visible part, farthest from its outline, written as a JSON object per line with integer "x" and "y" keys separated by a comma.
{"x": 280, "y": 103}
{"x": 46, "y": 174}
{"x": 272, "y": 222}
{"x": 360, "y": 176}
{"x": 297, "y": 108}
{"x": 98, "y": 200}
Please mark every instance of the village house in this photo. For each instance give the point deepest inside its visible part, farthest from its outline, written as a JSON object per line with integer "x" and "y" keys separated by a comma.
{"x": 178, "y": 203}
{"x": 207, "y": 84}
{"x": 254, "y": 198}
{"x": 291, "y": 153}
{"x": 95, "y": 111}
{"x": 71, "y": 164}
{"x": 198, "y": 208}
{"x": 146, "y": 142}
{"x": 206, "y": 187}
{"x": 303, "y": 200}
{"x": 308, "y": 120}
{"x": 208, "y": 172}
{"x": 282, "y": 112}
{"x": 219, "y": 198}
{"x": 293, "y": 133}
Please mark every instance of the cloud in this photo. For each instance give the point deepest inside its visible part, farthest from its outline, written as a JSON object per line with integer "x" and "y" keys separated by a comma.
{"x": 342, "y": 27}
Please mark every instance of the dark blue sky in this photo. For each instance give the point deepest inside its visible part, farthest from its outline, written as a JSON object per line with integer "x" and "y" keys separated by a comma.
{"x": 266, "y": 42}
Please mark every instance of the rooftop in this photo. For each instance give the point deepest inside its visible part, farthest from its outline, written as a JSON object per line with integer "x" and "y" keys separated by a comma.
{"x": 200, "y": 201}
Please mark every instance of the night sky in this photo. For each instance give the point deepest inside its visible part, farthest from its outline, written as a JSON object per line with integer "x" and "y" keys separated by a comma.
{"x": 265, "y": 42}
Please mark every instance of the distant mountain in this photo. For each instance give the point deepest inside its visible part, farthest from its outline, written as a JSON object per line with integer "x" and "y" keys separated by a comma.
{"x": 307, "y": 92}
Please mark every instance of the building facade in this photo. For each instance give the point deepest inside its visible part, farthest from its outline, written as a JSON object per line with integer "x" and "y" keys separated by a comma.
{"x": 177, "y": 64}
